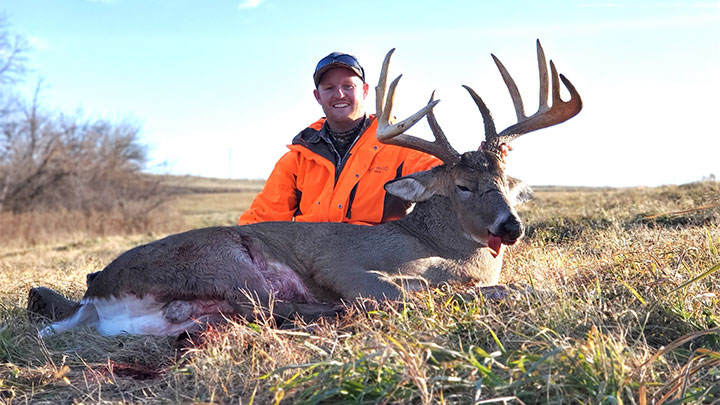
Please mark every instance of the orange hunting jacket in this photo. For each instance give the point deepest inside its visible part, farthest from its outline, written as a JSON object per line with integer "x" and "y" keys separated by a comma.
{"x": 303, "y": 185}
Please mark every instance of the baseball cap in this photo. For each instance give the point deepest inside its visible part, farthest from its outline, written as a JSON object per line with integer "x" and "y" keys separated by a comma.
{"x": 338, "y": 59}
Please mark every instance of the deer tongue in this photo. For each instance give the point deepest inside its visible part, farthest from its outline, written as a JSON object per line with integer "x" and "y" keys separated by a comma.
{"x": 495, "y": 244}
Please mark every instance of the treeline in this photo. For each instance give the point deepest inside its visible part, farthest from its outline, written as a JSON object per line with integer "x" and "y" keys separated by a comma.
{"x": 64, "y": 174}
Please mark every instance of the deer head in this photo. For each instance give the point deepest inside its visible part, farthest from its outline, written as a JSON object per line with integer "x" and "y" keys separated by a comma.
{"x": 482, "y": 196}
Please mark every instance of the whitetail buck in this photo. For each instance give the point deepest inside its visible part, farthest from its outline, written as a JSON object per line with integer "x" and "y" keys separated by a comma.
{"x": 464, "y": 211}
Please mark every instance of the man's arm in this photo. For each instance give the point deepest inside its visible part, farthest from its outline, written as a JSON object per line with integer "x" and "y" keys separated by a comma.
{"x": 416, "y": 161}
{"x": 278, "y": 199}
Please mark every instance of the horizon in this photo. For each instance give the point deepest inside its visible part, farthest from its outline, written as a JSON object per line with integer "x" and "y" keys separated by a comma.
{"x": 219, "y": 89}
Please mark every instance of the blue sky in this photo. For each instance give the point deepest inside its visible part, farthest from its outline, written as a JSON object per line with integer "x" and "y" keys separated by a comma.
{"x": 220, "y": 87}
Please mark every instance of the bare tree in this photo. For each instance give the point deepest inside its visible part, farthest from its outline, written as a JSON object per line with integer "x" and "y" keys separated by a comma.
{"x": 54, "y": 165}
{"x": 13, "y": 59}
{"x": 26, "y": 154}
{"x": 12, "y": 68}
{"x": 13, "y": 56}
{"x": 54, "y": 162}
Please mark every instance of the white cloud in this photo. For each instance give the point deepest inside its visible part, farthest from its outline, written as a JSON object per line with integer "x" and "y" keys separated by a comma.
{"x": 249, "y": 4}
{"x": 39, "y": 43}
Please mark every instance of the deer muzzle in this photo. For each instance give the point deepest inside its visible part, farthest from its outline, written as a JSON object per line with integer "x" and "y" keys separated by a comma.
{"x": 511, "y": 230}
{"x": 507, "y": 233}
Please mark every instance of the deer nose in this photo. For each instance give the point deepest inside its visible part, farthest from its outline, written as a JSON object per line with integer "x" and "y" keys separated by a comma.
{"x": 511, "y": 230}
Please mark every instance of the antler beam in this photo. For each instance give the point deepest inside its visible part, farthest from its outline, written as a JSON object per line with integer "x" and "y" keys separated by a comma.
{"x": 394, "y": 133}
{"x": 545, "y": 116}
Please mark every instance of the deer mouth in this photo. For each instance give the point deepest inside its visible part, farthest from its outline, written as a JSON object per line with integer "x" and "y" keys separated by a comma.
{"x": 495, "y": 243}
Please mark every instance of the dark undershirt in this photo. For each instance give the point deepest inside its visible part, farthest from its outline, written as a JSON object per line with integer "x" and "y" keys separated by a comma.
{"x": 342, "y": 141}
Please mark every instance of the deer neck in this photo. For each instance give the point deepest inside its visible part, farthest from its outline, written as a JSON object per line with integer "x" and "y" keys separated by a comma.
{"x": 435, "y": 224}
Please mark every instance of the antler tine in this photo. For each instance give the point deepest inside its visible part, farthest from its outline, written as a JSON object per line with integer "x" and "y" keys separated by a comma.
{"x": 394, "y": 134}
{"x": 512, "y": 88}
{"x": 490, "y": 132}
{"x": 542, "y": 69}
{"x": 545, "y": 116}
{"x": 381, "y": 87}
{"x": 440, "y": 139}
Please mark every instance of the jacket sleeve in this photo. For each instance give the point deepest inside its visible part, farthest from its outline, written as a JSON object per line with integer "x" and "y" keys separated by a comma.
{"x": 278, "y": 200}
{"x": 417, "y": 161}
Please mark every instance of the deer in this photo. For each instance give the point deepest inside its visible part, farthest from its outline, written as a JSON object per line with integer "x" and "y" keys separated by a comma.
{"x": 463, "y": 214}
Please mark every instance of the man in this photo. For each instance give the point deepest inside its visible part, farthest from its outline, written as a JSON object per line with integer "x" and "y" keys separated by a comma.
{"x": 336, "y": 168}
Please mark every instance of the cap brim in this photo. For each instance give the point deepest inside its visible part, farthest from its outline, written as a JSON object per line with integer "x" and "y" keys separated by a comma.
{"x": 321, "y": 72}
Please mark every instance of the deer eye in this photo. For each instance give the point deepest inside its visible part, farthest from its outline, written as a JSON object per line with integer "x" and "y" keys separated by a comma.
{"x": 463, "y": 192}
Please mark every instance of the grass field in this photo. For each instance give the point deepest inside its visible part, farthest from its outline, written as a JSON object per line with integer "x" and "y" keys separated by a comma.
{"x": 625, "y": 309}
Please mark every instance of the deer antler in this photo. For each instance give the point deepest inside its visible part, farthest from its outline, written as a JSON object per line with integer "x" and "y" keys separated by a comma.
{"x": 394, "y": 134}
{"x": 545, "y": 116}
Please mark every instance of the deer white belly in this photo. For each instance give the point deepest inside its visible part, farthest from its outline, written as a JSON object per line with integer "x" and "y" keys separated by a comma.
{"x": 139, "y": 316}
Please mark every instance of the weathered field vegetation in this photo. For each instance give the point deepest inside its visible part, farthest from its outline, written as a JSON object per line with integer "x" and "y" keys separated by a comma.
{"x": 624, "y": 304}
{"x": 625, "y": 310}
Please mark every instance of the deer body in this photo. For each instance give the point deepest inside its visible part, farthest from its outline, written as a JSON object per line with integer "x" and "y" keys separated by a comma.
{"x": 464, "y": 212}
{"x": 173, "y": 284}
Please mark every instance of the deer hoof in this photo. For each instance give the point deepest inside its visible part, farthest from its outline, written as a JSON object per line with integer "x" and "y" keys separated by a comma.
{"x": 44, "y": 303}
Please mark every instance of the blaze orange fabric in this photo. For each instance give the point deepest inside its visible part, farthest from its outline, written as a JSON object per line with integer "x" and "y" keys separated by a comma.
{"x": 302, "y": 185}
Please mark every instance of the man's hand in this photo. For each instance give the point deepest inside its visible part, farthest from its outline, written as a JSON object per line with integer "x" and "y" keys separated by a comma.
{"x": 504, "y": 150}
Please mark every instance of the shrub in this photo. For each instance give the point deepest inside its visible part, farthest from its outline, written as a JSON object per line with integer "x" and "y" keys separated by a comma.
{"x": 73, "y": 168}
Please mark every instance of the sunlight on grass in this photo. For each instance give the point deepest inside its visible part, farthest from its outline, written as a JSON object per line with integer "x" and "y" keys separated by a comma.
{"x": 625, "y": 309}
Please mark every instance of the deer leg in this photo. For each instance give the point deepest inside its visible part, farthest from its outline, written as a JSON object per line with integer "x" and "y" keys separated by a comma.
{"x": 194, "y": 337}
{"x": 311, "y": 312}
{"x": 44, "y": 303}
{"x": 355, "y": 285}
{"x": 254, "y": 304}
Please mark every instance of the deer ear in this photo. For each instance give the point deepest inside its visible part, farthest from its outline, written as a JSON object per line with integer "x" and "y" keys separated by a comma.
{"x": 414, "y": 187}
{"x": 519, "y": 191}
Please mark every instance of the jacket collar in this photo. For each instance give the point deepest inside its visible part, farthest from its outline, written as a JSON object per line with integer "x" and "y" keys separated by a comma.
{"x": 318, "y": 132}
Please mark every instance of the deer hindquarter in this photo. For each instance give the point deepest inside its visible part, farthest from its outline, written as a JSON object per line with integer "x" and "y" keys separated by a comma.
{"x": 191, "y": 278}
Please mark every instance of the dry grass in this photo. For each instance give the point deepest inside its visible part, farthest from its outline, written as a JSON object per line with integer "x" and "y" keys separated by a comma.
{"x": 205, "y": 202}
{"x": 207, "y": 184}
{"x": 189, "y": 202}
{"x": 626, "y": 310}
{"x": 39, "y": 228}
{"x": 201, "y": 210}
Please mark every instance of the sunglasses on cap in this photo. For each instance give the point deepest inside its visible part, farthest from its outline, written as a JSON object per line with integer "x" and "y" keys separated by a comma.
{"x": 337, "y": 59}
